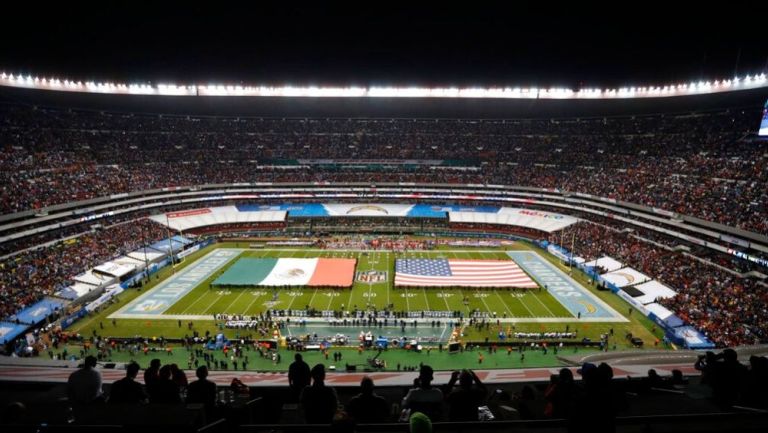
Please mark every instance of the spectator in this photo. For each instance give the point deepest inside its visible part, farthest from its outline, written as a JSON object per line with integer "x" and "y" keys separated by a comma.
{"x": 419, "y": 423}
{"x": 425, "y": 398}
{"x": 318, "y": 401}
{"x": 560, "y": 395}
{"x": 165, "y": 390}
{"x": 152, "y": 375}
{"x": 202, "y": 390}
{"x": 127, "y": 390}
{"x": 368, "y": 407}
{"x": 298, "y": 374}
{"x": 84, "y": 385}
{"x": 463, "y": 402}
{"x": 178, "y": 376}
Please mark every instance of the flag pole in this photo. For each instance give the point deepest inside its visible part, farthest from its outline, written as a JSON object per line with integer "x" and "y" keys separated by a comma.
{"x": 573, "y": 247}
{"x": 170, "y": 245}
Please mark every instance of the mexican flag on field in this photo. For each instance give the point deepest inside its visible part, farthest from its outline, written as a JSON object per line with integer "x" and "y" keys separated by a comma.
{"x": 289, "y": 272}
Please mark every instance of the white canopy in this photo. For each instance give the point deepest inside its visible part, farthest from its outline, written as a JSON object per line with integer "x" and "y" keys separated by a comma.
{"x": 194, "y": 218}
{"x": 659, "y": 310}
{"x": 653, "y": 290}
{"x": 626, "y": 277}
{"x": 605, "y": 262}
{"x": 97, "y": 280}
{"x": 115, "y": 269}
{"x": 545, "y": 221}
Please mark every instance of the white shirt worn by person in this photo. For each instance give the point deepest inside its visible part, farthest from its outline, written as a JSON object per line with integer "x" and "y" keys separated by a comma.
{"x": 421, "y": 395}
{"x": 84, "y": 385}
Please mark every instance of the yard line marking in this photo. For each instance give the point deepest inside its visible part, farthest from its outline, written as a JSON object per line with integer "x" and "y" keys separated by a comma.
{"x": 310, "y": 299}
{"x": 526, "y": 307}
{"x": 445, "y": 298}
{"x": 226, "y": 310}
{"x": 504, "y": 303}
{"x": 537, "y": 298}
{"x": 255, "y": 298}
{"x": 330, "y": 299}
{"x": 205, "y": 295}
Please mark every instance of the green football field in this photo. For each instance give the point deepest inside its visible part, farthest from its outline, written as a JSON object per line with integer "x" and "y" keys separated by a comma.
{"x": 203, "y": 301}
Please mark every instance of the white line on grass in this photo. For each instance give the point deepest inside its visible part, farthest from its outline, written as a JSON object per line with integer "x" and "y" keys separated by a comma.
{"x": 486, "y": 304}
{"x": 226, "y": 310}
{"x": 504, "y": 303}
{"x": 526, "y": 306}
{"x": 204, "y": 295}
{"x": 310, "y": 299}
{"x": 445, "y": 299}
{"x": 255, "y": 298}
{"x": 330, "y": 299}
{"x": 544, "y": 305}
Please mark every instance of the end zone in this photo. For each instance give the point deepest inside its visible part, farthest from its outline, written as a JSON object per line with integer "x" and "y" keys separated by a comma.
{"x": 573, "y": 296}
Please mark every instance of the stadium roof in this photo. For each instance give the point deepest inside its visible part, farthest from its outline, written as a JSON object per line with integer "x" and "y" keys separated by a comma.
{"x": 575, "y": 45}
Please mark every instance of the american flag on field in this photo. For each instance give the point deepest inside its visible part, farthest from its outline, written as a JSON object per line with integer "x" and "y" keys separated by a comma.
{"x": 458, "y": 272}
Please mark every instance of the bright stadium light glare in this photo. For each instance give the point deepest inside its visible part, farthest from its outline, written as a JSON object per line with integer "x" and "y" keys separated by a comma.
{"x": 749, "y": 81}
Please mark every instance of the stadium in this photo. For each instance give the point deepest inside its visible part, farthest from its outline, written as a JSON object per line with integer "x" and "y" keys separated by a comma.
{"x": 545, "y": 258}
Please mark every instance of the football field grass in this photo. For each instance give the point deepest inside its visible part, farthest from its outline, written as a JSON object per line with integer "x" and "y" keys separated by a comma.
{"x": 522, "y": 303}
{"x": 204, "y": 301}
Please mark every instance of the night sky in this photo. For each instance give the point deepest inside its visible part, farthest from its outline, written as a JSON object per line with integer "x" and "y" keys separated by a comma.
{"x": 477, "y": 43}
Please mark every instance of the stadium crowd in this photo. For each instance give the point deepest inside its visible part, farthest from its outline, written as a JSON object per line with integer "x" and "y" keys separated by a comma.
{"x": 589, "y": 398}
{"x": 52, "y": 156}
{"x": 27, "y": 277}
{"x": 729, "y": 309}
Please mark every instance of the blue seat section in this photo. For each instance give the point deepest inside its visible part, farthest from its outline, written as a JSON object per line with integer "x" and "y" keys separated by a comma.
{"x": 294, "y": 210}
{"x": 39, "y": 311}
{"x": 441, "y": 211}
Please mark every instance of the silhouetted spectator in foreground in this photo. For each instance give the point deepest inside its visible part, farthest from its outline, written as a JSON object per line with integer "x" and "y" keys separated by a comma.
{"x": 727, "y": 375}
{"x": 84, "y": 385}
{"x": 14, "y": 413}
{"x": 127, "y": 390}
{"x": 202, "y": 390}
{"x": 178, "y": 376}
{"x": 425, "y": 398}
{"x": 595, "y": 409}
{"x": 151, "y": 375}
{"x": 319, "y": 401}
{"x": 560, "y": 395}
{"x": 165, "y": 391}
{"x": 298, "y": 375}
{"x": 464, "y": 401}
{"x": 368, "y": 407}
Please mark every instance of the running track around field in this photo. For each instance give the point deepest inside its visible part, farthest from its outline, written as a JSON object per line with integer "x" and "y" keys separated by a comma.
{"x": 16, "y": 373}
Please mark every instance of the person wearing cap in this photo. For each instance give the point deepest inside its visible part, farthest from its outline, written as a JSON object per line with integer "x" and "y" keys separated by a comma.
{"x": 586, "y": 368}
{"x": 419, "y": 423}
